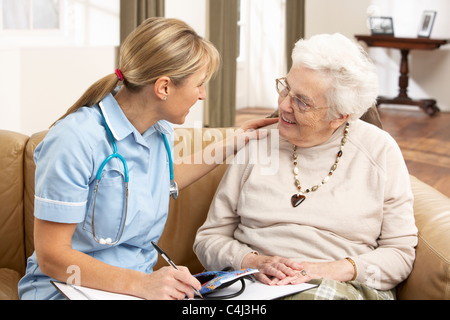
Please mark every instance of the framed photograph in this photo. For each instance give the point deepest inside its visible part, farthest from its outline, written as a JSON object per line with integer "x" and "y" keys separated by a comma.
{"x": 426, "y": 24}
{"x": 381, "y": 26}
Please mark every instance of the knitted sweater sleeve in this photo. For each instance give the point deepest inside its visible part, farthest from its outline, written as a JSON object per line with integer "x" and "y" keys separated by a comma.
{"x": 391, "y": 261}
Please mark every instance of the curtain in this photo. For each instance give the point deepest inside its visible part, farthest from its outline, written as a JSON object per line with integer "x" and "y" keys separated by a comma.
{"x": 265, "y": 52}
{"x": 295, "y": 26}
{"x": 223, "y": 33}
{"x": 134, "y": 12}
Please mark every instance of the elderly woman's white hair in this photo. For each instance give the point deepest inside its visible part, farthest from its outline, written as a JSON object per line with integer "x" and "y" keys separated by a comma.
{"x": 352, "y": 76}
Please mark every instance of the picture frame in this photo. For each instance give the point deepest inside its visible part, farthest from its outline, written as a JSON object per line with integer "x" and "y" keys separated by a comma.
{"x": 381, "y": 26}
{"x": 426, "y": 24}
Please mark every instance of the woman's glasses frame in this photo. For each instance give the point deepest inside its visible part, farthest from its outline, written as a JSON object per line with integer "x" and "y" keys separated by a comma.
{"x": 298, "y": 103}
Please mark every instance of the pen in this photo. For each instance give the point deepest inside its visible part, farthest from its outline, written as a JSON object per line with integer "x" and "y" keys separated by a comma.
{"x": 169, "y": 261}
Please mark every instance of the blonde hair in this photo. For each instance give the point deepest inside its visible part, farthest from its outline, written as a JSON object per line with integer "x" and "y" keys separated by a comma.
{"x": 158, "y": 47}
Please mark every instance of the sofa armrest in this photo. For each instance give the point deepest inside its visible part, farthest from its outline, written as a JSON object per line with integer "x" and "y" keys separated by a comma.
{"x": 430, "y": 277}
{"x": 28, "y": 191}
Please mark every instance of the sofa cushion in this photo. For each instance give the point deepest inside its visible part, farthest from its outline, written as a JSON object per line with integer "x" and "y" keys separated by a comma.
{"x": 12, "y": 252}
{"x": 186, "y": 215}
{"x": 8, "y": 284}
{"x": 189, "y": 211}
{"x": 432, "y": 264}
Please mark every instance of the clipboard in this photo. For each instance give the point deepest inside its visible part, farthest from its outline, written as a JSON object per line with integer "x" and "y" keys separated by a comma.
{"x": 73, "y": 292}
{"x": 253, "y": 291}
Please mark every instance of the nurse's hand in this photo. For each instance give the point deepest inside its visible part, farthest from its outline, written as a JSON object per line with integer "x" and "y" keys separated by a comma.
{"x": 190, "y": 169}
{"x": 249, "y": 129}
{"x": 258, "y": 123}
{"x": 169, "y": 283}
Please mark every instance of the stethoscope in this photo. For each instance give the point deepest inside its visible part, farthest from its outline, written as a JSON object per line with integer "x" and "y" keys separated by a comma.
{"x": 173, "y": 185}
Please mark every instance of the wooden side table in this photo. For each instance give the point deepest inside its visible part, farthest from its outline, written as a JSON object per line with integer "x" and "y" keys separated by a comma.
{"x": 405, "y": 45}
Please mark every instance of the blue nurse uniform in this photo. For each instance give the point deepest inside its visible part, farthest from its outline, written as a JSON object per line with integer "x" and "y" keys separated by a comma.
{"x": 67, "y": 161}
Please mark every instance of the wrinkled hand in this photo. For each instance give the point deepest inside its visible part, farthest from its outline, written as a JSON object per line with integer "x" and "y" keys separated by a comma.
{"x": 272, "y": 269}
{"x": 299, "y": 277}
{"x": 340, "y": 270}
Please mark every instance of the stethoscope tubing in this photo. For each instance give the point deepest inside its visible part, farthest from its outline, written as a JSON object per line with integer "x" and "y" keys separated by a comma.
{"x": 115, "y": 154}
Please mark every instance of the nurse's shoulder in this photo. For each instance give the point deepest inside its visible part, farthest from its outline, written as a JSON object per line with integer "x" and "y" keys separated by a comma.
{"x": 79, "y": 130}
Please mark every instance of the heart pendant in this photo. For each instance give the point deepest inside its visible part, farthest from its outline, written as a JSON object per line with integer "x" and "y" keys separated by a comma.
{"x": 297, "y": 199}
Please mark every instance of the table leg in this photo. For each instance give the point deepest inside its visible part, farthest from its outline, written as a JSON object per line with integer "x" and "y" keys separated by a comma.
{"x": 403, "y": 80}
{"x": 427, "y": 105}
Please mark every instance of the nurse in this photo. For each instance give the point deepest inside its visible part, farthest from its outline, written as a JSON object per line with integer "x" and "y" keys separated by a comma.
{"x": 163, "y": 68}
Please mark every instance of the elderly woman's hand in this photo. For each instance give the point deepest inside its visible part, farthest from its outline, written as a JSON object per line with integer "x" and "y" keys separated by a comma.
{"x": 340, "y": 270}
{"x": 271, "y": 269}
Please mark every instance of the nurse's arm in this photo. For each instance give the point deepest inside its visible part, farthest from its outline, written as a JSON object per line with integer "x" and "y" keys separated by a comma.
{"x": 58, "y": 260}
{"x": 193, "y": 167}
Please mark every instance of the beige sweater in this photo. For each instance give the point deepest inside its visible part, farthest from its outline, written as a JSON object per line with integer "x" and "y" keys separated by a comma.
{"x": 364, "y": 211}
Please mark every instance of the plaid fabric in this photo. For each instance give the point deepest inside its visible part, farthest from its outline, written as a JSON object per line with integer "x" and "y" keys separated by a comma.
{"x": 336, "y": 290}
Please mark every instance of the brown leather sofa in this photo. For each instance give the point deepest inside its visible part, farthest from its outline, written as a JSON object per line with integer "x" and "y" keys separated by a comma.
{"x": 430, "y": 278}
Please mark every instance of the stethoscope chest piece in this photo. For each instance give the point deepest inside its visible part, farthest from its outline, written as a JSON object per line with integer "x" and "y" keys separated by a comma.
{"x": 173, "y": 189}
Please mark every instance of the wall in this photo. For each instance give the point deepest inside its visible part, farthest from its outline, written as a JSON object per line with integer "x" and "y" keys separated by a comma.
{"x": 193, "y": 12}
{"x": 46, "y": 93}
{"x": 329, "y": 16}
{"x": 44, "y": 73}
{"x": 429, "y": 74}
{"x": 48, "y": 71}
{"x": 39, "y": 84}
{"x": 10, "y": 99}
{"x": 429, "y": 70}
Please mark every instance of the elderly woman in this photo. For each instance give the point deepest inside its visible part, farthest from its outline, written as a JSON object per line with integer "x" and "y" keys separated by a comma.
{"x": 339, "y": 210}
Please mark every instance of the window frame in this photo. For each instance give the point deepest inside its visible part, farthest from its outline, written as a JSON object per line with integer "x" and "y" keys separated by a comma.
{"x": 35, "y": 31}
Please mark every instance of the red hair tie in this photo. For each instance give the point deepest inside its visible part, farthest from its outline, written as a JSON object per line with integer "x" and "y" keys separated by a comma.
{"x": 119, "y": 74}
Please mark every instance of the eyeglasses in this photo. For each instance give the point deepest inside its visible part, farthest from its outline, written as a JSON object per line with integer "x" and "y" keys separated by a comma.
{"x": 297, "y": 102}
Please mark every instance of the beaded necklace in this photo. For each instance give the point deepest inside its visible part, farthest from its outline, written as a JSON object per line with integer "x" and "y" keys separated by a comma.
{"x": 299, "y": 197}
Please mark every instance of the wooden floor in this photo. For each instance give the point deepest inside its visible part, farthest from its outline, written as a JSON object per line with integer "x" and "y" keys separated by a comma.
{"x": 424, "y": 140}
